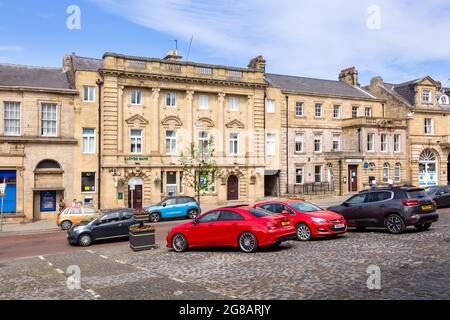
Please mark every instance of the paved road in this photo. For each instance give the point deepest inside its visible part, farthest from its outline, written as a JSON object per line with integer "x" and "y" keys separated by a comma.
{"x": 20, "y": 246}
{"x": 414, "y": 265}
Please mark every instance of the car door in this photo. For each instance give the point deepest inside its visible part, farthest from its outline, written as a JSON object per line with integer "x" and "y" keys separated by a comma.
{"x": 229, "y": 227}
{"x": 352, "y": 208}
{"x": 76, "y": 215}
{"x": 168, "y": 208}
{"x": 204, "y": 230}
{"x": 181, "y": 207}
{"x": 108, "y": 226}
{"x": 374, "y": 209}
{"x": 127, "y": 221}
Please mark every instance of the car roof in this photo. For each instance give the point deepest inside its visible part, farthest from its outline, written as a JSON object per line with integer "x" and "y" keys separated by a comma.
{"x": 403, "y": 188}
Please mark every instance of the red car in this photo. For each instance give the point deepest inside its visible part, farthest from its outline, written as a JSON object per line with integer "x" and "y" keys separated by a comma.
{"x": 309, "y": 220}
{"x": 242, "y": 227}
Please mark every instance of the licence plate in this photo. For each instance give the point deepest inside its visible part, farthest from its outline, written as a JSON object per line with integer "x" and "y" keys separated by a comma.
{"x": 285, "y": 223}
{"x": 427, "y": 207}
{"x": 339, "y": 226}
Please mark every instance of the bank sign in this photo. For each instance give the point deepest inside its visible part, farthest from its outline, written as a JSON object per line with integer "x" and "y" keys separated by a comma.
{"x": 136, "y": 158}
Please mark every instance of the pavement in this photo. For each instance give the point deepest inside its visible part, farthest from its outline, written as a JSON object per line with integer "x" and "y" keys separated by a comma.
{"x": 413, "y": 265}
{"x": 46, "y": 226}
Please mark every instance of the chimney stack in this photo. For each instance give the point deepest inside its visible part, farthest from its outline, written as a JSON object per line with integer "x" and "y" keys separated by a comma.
{"x": 172, "y": 55}
{"x": 350, "y": 76}
{"x": 258, "y": 63}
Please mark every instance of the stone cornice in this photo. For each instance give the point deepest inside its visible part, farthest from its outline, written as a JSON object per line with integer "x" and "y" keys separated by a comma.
{"x": 40, "y": 90}
{"x": 186, "y": 79}
{"x": 37, "y": 140}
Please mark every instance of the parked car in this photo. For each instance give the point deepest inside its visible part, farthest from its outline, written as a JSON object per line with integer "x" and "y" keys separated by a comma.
{"x": 74, "y": 215}
{"x": 113, "y": 224}
{"x": 440, "y": 194}
{"x": 243, "y": 227}
{"x": 174, "y": 207}
{"x": 309, "y": 220}
{"x": 393, "y": 208}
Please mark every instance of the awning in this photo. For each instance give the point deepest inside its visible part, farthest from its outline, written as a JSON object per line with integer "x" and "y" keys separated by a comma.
{"x": 271, "y": 172}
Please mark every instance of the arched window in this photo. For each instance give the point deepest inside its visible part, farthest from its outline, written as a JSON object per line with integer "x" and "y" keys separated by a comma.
{"x": 444, "y": 99}
{"x": 398, "y": 172}
{"x": 428, "y": 163}
{"x": 385, "y": 172}
{"x": 48, "y": 164}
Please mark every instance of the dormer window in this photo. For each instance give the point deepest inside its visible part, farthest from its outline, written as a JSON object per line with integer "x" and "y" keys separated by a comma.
{"x": 444, "y": 99}
{"x": 426, "y": 96}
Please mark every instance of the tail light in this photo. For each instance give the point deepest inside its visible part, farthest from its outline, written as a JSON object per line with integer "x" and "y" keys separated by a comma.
{"x": 273, "y": 225}
{"x": 410, "y": 203}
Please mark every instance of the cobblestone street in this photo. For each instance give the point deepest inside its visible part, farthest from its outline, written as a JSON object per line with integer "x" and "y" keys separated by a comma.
{"x": 413, "y": 266}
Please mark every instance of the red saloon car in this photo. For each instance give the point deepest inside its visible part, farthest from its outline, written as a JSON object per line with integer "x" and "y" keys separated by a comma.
{"x": 309, "y": 220}
{"x": 240, "y": 227}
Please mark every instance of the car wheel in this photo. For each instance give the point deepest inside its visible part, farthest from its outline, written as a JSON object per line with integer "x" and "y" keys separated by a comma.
{"x": 179, "y": 243}
{"x": 192, "y": 214}
{"x": 423, "y": 227}
{"x": 248, "y": 242}
{"x": 66, "y": 225}
{"x": 303, "y": 232}
{"x": 155, "y": 217}
{"x": 85, "y": 240}
{"x": 395, "y": 224}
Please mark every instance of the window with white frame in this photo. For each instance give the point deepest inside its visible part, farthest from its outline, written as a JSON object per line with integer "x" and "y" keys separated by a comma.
{"x": 136, "y": 97}
{"x": 426, "y": 96}
{"x": 171, "y": 99}
{"x": 270, "y": 144}
{"x": 318, "y": 143}
{"x": 299, "y": 109}
{"x": 368, "y": 112}
{"x": 384, "y": 142}
{"x": 11, "y": 118}
{"x": 234, "y": 103}
{"x": 317, "y": 173}
{"x": 88, "y": 140}
{"x": 299, "y": 142}
{"x": 270, "y": 106}
{"x": 371, "y": 142}
{"x": 397, "y": 142}
{"x": 48, "y": 119}
{"x": 429, "y": 126}
{"x": 203, "y": 102}
{"x": 171, "y": 142}
{"x": 336, "y": 111}
{"x": 398, "y": 172}
{"x": 386, "y": 172}
{"x": 318, "y": 110}
{"x": 203, "y": 140}
{"x": 136, "y": 141}
{"x": 299, "y": 175}
{"x": 88, "y": 94}
{"x": 234, "y": 143}
{"x": 336, "y": 143}
{"x": 355, "y": 112}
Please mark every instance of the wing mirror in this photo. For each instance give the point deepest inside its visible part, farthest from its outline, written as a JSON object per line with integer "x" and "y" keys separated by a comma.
{"x": 285, "y": 212}
{"x": 346, "y": 204}
{"x": 195, "y": 222}
{"x": 164, "y": 205}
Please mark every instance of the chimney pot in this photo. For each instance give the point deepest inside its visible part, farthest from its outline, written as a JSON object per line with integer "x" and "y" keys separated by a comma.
{"x": 350, "y": 76}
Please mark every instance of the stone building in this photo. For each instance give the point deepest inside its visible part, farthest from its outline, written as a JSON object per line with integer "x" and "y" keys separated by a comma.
{"x": 152, "y": 109}
{"x": 334, "y": 136}
{"x": 37, "y": 140}
{"x": 426, "y": 107}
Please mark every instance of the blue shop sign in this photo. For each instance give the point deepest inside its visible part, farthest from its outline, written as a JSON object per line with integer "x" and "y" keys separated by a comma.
{"x": 48, "y": 201}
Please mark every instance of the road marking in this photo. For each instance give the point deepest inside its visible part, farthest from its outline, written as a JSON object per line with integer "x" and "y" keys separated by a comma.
{"x": 140, "y": 268}
{"x": 121, "y": 262}
{"x": 59, "y": 271}
{"x": 104, "y": 257}
{"x": 178, "y": 280}
{"x": 50, "y": 264}
{"x": 41, "y": 257}
{"x": 90, "y": 251}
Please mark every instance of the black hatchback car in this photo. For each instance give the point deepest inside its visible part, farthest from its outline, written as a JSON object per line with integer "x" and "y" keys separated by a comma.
{"x": 440, "y": 194}
{"x": 113, "y": 224}
{"x": 393, "y": 208}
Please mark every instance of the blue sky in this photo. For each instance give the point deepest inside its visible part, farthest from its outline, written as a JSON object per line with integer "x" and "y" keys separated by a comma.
{"x": 399, "y": 40}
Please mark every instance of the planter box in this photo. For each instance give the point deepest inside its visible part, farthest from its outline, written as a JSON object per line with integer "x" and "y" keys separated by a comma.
{"x": 142, "y": 240}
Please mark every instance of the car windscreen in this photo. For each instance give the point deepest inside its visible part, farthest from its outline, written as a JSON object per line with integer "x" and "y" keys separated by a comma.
{"x": 431, "y": 190}
{"x": 259, "y": 213}
{"x": 304, "y": 207}
{"x": 416, "y": 194}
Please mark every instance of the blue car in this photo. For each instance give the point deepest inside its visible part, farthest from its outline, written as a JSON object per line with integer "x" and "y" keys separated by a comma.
{"x": 174, "y": 207}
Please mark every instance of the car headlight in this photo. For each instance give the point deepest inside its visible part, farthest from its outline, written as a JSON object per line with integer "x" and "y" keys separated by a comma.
{"x": 319, "y": 220}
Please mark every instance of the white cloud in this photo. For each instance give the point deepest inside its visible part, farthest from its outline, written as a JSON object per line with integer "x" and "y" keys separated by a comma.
{"x": 11, "y": 48}
{"x": 311, "y": 38}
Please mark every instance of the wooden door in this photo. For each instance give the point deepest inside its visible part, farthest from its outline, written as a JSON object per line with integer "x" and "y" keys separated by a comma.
{"x": 352, "y": 178}
{"x": 135, "y": 196}
{"x": 233, "y": 188}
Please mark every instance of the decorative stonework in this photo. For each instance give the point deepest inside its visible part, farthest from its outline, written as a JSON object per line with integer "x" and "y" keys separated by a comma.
{"x": 137, "y": 119}
{"x": 235, "y": 124}
{"x": 172, "y": 121}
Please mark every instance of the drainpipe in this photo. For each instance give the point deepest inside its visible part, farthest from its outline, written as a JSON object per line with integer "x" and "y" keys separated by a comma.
{"x": 359, "y": 140}
{"x": 287, "y": 144}
{"x": 340, "y": 177}
{"x": 99, "y": 152}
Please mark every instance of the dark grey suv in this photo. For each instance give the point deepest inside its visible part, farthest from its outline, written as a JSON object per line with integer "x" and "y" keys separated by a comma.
{"x": 392, "y": 208}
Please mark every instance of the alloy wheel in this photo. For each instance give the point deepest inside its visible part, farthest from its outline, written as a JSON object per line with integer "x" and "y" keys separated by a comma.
{"x": 66, "y": 225}
{"x": 179, "y": 243}
{"x": 85, "y": 240}
{"x": 394, "y": 224}
{"x": 248, "y": 242}
{"x": 192, "y": 214}
{"x": 303, "y": 232}
{"x": 155, "y": 217}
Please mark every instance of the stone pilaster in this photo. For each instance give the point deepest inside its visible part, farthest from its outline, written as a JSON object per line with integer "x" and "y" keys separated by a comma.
{"x": 155, "y": 122}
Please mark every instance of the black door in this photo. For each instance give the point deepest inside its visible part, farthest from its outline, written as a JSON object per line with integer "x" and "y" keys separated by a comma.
{"x": 233, "y": 188}
{"x": 352, "y": 178}
{"x": 135, "y": 196}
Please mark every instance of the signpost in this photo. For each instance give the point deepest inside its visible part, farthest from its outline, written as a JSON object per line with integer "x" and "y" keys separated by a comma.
{"x": 2, "y": 195}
